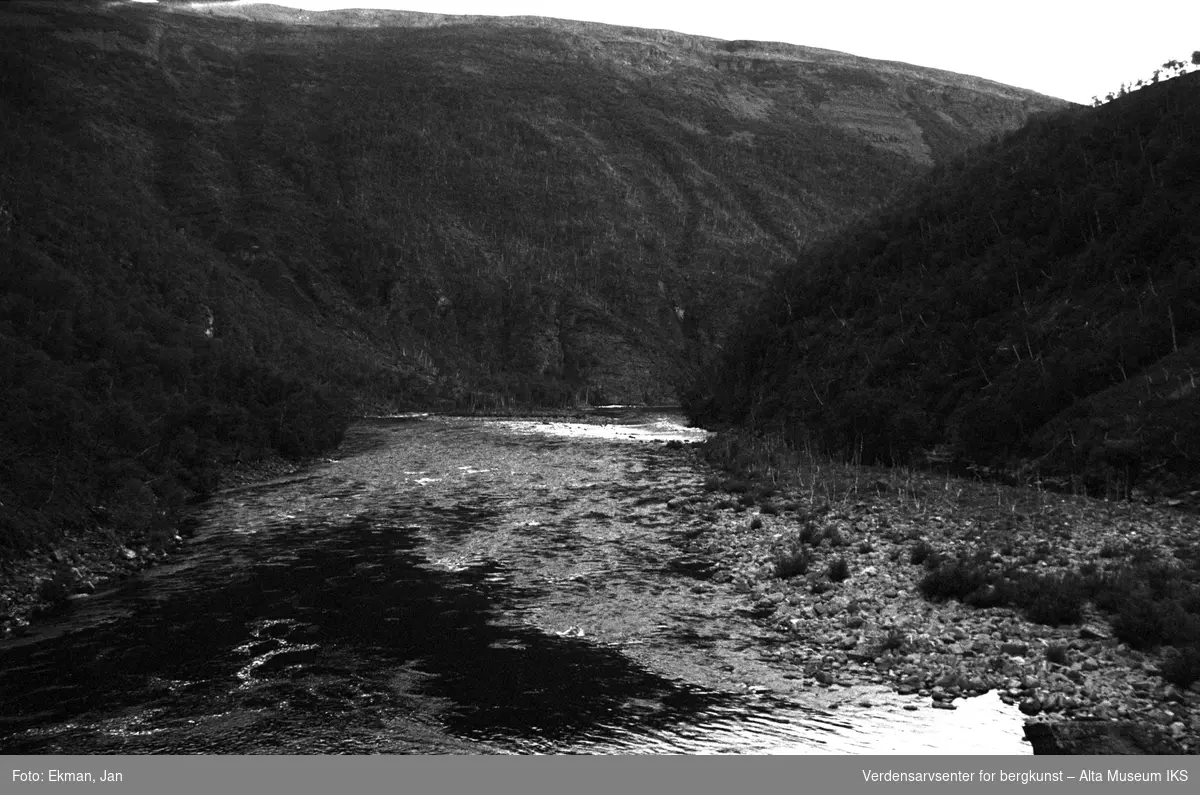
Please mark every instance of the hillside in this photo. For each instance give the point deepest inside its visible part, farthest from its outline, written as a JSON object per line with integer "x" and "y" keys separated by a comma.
{"x": 221, "y": 236}
{"x": 1033, "y": 305}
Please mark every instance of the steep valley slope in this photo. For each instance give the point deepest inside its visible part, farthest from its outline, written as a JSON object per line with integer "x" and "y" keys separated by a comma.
{"x": 225, "y": 229}
{"x": 1032, "y": 306}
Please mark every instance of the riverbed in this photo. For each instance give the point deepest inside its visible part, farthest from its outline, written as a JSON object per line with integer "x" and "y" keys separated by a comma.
{"x": 455, "y": 585}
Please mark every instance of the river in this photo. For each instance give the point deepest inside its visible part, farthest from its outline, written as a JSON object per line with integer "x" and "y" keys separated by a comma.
{"x": 452, "y": 585}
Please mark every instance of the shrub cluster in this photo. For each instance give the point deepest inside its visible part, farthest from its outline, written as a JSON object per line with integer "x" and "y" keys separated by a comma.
{"x": 1044, "y": 599}
{"x": 1151, "y": 604}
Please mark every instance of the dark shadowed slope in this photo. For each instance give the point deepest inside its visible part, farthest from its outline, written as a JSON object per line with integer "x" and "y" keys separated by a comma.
{"x": 1035, "y": 302}
{"x": 218, "y": 233}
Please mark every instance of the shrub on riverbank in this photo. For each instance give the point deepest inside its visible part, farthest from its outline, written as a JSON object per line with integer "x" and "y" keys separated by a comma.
{"x": 921, "y": 551}
{"x": 1181, "y": 666}
{"x": 1050, "y": 599}
{"x": 791, "y": 560}
{"x": 839, "y": 570}
{"x": 1057, "y": 654}
{"x": 952, "y": 580}
{"x": 1149, "y": 605}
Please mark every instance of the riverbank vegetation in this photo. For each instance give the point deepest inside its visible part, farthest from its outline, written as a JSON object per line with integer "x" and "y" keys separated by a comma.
{"x": 1057, "y": 560}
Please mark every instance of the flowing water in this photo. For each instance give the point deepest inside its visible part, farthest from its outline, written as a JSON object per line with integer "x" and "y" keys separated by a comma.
{"x": 452, "y": 585}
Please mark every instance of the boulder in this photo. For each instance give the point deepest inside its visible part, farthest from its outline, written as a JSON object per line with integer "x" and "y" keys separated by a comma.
{"x": 1093, "y": 632}
{"x": 1099, "y": 738}
{"x": 1030, "y": 706}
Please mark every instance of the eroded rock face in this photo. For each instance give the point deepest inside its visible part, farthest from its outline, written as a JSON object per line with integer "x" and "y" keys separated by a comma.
{"x": 1098, "y": 738}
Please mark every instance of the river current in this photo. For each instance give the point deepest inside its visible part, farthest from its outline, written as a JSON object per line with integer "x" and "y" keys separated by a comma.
{"x": 452, "y": 585}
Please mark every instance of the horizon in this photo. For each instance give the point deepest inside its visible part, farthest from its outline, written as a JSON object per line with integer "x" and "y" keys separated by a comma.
{"x": 1076, "y": 53}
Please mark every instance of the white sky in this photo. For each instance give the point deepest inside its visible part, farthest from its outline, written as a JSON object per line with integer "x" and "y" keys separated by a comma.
{"x": 1070, "y": 49}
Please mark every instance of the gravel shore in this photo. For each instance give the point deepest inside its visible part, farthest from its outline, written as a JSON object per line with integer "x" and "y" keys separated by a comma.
{"x": 876, "y": 625}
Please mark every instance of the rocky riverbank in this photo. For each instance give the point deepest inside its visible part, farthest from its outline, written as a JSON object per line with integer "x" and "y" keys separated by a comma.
{"x": 834, "y": 570}
{"x": 42, "y": 585}
{"x": 856, "y": 615}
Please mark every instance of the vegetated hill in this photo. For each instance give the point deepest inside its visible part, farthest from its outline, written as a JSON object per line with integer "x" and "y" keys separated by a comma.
{"x": 1035, "y": 302}
{"x": 217, "y": 234}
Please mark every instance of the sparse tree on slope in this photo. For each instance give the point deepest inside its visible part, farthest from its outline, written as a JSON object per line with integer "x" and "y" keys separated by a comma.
{"x": 1177, "y": 68}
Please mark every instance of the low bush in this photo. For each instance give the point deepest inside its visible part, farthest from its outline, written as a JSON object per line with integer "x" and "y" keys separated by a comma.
{"x": 920, "y": 552}
{"x": 839, "y": 570}
{"x": 1051, "y": 600}
{"x": 989, "y": 595}
{"x": 1143, "y": 554}
{"x": 894, "y": 640}
{"x": 1181, "y": 666}
{"x": 952, "y": 580}
{"x": 1056, "y": 653}
{"x": 1110, "y": 590}
{"x": 1139, "y": 622}
{"x": 790, "y": 561}
{"x": 836, "y": 539}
